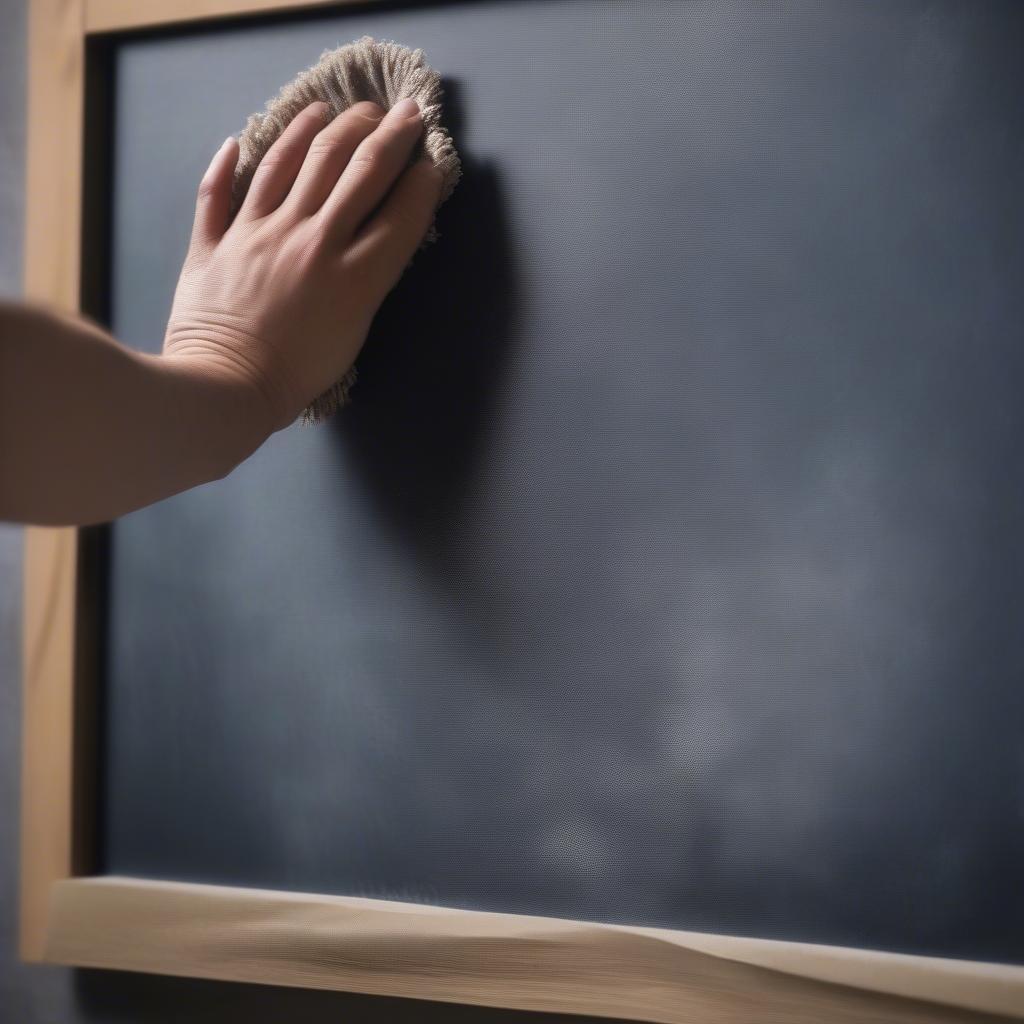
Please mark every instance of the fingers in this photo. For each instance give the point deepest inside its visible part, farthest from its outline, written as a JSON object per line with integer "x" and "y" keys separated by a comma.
{"x": 281, "y": 163}
{"x": 214, "y": 197}
{"x": 384, "y": 246}
{"x": 376, "y": 163}
{"x": 328, "y": 155}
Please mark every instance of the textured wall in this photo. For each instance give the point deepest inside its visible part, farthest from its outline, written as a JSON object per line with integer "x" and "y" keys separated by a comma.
{"x": 29, "y": 993}
{"x": 50, "y": 995}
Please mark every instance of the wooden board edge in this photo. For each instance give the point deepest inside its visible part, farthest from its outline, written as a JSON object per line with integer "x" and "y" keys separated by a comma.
{"x": 124, "y": 15}
{"x": 51, "y": 275}
{"x": 47, "y": 782}
{"x": 53, "y": 165}
{"x": 506, "y": 960}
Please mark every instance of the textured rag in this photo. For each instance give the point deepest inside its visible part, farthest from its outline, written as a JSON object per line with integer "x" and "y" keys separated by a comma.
{"x": 382, "y": 72}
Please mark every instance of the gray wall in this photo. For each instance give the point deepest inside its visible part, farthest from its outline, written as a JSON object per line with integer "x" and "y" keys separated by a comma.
{"x": 31, "y": 994}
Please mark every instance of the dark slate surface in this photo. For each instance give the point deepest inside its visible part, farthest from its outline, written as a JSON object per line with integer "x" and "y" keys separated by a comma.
{"x": 668, "y": 567}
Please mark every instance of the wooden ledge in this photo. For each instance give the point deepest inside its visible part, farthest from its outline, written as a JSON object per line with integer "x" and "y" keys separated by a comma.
{"x": 507, "y": 960}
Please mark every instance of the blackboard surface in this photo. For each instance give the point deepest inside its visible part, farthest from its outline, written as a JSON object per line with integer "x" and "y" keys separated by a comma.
{"x": 668, "y": 567}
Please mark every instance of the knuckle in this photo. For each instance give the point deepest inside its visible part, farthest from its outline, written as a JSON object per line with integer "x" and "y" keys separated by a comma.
{"x": 281, "y": 153}
{"x": 207, "y": 189}
{"x": 262, "y": 233}
{"x": 270, "y": 162}
{"x": 365, "y": 159}
{"x": 311, "y": 241}
{"x": 324, "y": 145}
{"x": 360, "y": 274}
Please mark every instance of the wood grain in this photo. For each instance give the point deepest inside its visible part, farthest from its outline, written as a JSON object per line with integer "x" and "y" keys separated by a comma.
{"x": 118, "y": 15}
{"x": 47, "y": 787}
{"x": 54, "y": 152}
{"x": 51, "y": 275}
{"x": 507, "y": 960}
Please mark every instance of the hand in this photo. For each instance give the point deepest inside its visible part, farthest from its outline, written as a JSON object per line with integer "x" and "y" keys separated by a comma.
{"x": 280, "y": 303}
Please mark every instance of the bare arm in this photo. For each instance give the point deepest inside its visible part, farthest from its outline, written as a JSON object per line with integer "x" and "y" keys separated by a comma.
{"x": 90, "y": 429}
{"x": 268, "y": 313}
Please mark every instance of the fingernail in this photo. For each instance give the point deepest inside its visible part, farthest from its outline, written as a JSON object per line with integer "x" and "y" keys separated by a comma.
{"x": 406, "y": 108}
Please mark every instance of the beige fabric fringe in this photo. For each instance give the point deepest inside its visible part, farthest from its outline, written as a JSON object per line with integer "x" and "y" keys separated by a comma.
{"x": 382, "y": 72}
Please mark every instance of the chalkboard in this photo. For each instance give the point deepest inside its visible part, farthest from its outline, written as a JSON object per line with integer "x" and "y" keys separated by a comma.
{"x": 667, "y": 567}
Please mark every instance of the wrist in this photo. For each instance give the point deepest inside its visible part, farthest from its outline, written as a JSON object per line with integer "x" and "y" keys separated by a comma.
{"x": 221, "y": 417}
{"x": 227, "y": 356}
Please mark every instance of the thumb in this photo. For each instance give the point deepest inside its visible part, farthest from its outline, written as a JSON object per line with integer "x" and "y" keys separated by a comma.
{"x": 213, "y": 199}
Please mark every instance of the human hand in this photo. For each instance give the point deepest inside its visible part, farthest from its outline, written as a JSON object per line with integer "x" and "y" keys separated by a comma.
{"x": 279, "y": 303}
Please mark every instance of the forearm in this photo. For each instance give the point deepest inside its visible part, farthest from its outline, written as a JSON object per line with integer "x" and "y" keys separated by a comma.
{"x": 90, "y": 430}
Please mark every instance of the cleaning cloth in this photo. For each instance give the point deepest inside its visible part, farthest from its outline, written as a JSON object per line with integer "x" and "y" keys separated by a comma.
{"x": 382, "y": 72}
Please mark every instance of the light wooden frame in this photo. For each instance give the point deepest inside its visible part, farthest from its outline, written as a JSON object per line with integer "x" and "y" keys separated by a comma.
{"x": 71, "y": 916}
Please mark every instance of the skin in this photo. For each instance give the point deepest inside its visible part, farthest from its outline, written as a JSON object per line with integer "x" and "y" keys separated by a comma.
{"x": 267, "y": 314}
